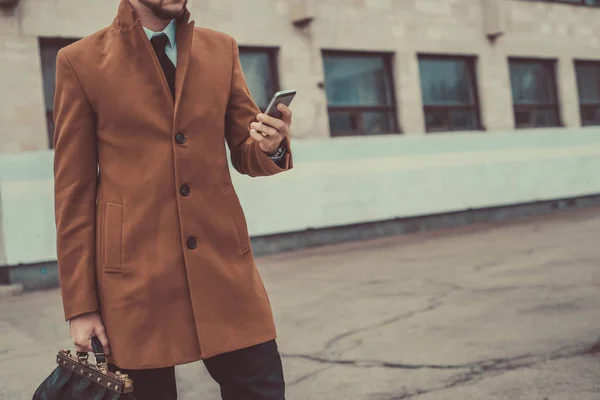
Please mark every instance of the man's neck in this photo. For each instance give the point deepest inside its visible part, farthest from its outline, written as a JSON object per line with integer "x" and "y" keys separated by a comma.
{"x": 147, "y": 18}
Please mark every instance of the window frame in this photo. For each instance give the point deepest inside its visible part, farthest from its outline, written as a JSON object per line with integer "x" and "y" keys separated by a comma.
{"x": 58, "y": 43}
{"x": 552, "y": 63}
{"x": 472, "y": 65}
{"x": 357, "y": 112}
{"x": 582, "y": 106}
{"x": 273, "y": 56}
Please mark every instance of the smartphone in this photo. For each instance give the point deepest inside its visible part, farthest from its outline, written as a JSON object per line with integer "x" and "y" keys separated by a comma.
{"x": 283, "y": 97}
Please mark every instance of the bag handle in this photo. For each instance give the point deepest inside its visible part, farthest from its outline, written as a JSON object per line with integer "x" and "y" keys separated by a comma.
{"x": 98, "y": 354}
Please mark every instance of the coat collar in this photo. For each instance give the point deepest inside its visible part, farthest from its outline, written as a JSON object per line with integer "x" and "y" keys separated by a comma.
{"x": 128, "y": 21}
{"x": 127, "y": 18}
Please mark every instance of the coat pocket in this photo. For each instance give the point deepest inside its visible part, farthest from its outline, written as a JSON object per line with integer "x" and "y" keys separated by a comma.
{"x": 238, "y": 218}
{"x": 113, "y": 237}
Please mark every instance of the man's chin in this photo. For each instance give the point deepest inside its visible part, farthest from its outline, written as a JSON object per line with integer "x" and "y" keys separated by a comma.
{"x": 168, "y": 14}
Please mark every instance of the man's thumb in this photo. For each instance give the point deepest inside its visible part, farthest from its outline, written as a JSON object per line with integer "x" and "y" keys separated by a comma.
{"x": 101, "y": 335}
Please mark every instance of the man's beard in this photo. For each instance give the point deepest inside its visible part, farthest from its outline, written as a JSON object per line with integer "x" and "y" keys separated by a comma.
{"x": 165, "y": 12}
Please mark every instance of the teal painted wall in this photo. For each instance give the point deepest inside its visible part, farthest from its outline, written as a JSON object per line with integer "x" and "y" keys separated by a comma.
{"x": 349, "y": 180}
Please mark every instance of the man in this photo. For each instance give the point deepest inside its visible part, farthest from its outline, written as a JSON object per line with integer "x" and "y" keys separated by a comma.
{"x": 153, "y": 250}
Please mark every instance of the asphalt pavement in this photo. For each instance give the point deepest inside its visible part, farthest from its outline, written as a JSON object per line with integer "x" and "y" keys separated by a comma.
{"x": 491, "y": 311}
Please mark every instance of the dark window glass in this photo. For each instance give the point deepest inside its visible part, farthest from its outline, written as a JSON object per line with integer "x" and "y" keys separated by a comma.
{"x": 260, "y": 71}
{"x": 588, "y": 85}
{"x": 359, "y": 94}
{"x": 534, "y": 93}
{"x": 48, "y": 51}
{"x": 449, "y": 93}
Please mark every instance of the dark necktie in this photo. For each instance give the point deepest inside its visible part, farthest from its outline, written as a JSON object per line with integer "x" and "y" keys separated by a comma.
{"x": 159, "y": 43}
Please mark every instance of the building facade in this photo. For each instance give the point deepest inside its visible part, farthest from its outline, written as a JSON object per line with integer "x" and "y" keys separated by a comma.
{"x": 404, "y": 107}
{"x": 360, "y": 67}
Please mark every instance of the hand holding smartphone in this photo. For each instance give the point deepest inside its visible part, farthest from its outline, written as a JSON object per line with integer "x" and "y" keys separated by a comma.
{"x": 283, "y": 97}
{"x": 266, "y": 127}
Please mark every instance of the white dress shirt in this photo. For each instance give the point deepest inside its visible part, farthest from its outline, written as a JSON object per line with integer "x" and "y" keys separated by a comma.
{"x": 170, "y": 30}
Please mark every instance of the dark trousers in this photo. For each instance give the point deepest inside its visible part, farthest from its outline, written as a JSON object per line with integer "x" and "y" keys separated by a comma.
{"x": 254, "y": 373}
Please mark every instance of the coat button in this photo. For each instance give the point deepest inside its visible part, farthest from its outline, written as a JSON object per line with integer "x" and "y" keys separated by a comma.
{"x": 185, "y": 190}
{"x": 180, "y": 138}
{"x": 192, "y": 243}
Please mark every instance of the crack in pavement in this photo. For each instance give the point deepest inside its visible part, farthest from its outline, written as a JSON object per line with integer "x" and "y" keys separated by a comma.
{"x": 434, "y": 303}
{"x": 308, "y": 376}
{"x": 481, "y": 372}
{"x": 386, "y": 364}
{"x": 476, "y": 371}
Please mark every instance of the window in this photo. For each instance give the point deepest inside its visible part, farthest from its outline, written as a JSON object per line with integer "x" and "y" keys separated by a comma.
{"x": 360, "y": 93}
{"x": 260, "y": 70}
{"x": 449, "y": 93}
{"x": 49, "y": 48}
{"x": 588, "y": 85}
{"x": 534, "y": 93}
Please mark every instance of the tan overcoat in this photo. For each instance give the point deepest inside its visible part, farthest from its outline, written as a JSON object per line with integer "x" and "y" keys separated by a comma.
{"x": 150, "y": 231}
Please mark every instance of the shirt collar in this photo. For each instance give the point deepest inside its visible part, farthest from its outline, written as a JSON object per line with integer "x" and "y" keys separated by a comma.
{"x": 169, "y": 30}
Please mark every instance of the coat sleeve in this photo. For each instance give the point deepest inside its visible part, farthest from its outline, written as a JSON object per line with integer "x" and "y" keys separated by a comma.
{"x": 75, "y": 185}
{"x": 246, "y": 154}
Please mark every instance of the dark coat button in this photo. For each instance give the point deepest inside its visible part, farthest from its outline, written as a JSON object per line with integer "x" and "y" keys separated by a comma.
{"x": 185, "y": 190}
{"x": 180, "y": 138}
{"x": 192, "y": 243}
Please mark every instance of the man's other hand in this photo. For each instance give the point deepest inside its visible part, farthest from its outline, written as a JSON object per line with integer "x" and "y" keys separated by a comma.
{"x": 84, "y": 328}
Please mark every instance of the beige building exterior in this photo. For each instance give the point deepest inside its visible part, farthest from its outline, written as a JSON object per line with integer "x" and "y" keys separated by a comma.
{"x": 367, "y": 177}
{"x": 402, "y": 28}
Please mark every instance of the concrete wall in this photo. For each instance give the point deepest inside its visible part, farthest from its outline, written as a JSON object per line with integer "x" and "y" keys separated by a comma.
{"x": 405, "y": 28}
{"x": 349, "y": 181}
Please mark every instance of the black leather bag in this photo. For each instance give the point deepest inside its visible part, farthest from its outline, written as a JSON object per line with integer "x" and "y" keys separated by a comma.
{"x": 77, "y": 379}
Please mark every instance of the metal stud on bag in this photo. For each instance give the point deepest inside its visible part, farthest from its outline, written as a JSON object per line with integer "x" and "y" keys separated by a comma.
{"x": 98, "y": 372}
